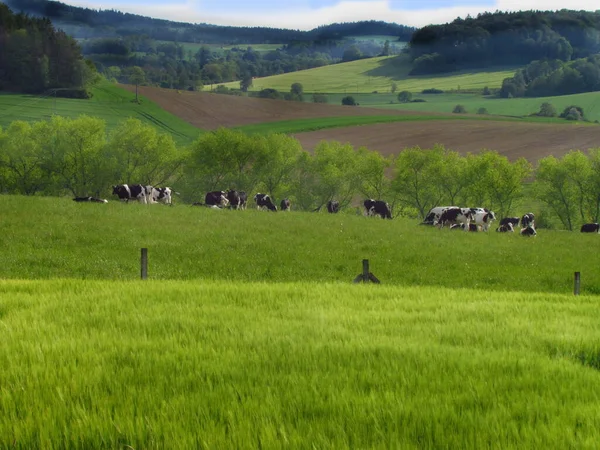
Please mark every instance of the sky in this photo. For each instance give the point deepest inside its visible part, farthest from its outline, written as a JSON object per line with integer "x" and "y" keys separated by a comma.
{"x": 308, "y": 14}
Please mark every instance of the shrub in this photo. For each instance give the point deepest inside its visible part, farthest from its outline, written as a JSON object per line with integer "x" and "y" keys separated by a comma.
{"x": 547, "y": 110}
{"x": 432, "y": 91}
{"x": 349, "y": 101}
{"x": 269, "y": 93}
{"x": 482, "y": 111}
{"x": 418, "y": 100}
{"x": 319, "y": 98}
{"x": 404, "y": 97}
{"x": 486, "y": 91}
{"x": 572, "y": 112}
{"x": 459, "y": 109}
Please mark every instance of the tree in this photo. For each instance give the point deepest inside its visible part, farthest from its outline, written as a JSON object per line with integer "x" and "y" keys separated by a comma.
{"x": 137, "y": 77}
{"x": 459, "y": 109}
{"x": 482, "y": 111}
{"x": 371, "y": 171}
{"x": 386, "y": 48}
{"x": 297, "y": 89}
{"x": 394, "y": 87}
{"x": 547, "y": 110}
{"x": 505, "y": 181}
{"x": 349, "y": 101}
{"x": 352, "y": 53}
{"x": 246, "y": 82}
{"x": 404, "y": 97}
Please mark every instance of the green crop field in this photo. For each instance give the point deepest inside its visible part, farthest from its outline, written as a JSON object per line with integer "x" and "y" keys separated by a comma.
{"x": 377, "y": 74}
{"x": 109, "y": 102}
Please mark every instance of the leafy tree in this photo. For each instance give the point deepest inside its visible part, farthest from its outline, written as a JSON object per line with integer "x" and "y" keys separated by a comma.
{"x": 453, "y": 178}
{"x": 137, "y": 77}
{"x": 572, "y": 112}
{"x": 547, "y": 110}
{"x": 404, "y": 97}
{"x": 352, "y": 53}
{"x": 371, "y": 171}
{"x": 386, "y": 49}
{"x": 349, "y": 101}
{"x": 394, "y": 87}
{"x": 486, "y": 91}
{"x": 297, "y": 89}
{"x": 505, "y": 181}
{"x": 459, "y": 109}
{"x": 246, "y": 82}
{"x": 482, "y": 111}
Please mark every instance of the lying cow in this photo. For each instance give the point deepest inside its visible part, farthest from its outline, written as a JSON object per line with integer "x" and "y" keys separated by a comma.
{"x": 506, "y": 228}
{"x": 590, "y": 228}
{"x": 162, "y": 195}
{"x": 527, "y": 220}
{"x": 128, "y": 192}
{"x": 217, "y": 199}
{"x": 377, "y": 208}
{"x": 514, "y": 221}
{"x": 528, "y": 231}
{"x": 90, "y": 199}
{"x": 237, "y": 199}
{"x": 333, "y": 206}
{"x": 264, "y": 201}
{"x": 286, "y": 205}
{"x": 456, "y": 216}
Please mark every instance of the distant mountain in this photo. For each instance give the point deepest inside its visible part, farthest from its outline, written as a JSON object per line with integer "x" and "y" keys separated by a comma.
{"x": 87, "y": 23}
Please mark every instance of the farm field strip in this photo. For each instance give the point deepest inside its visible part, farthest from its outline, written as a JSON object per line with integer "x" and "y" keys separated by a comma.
{"x": 171, "y": 364}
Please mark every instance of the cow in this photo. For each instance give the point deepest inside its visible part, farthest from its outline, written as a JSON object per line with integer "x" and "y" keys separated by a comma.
{"x": 90, "y": 199}
{"x": 528, "y": 231}
{"x": 377, "y": 208}
{"x": 216, "y": 199}
{"x": 333, "y": 206}
{"x": 461, "y": 226}
{"x": 590, "y": 228}
{"x": 162, "y": 195}
{"x": 484, "y": 218}
{"x": 506, "y": 228}
{"x": 237, "y": 199}
{"x": 527, "y": 220}
{"x": 264, "y": 201}
{"x": 131, "y": 192}
{"x": 433, "y": 216}
{"x": 514, "y": 221}
{"x": 285, "y": 205}
{"x": 456, "y": 215}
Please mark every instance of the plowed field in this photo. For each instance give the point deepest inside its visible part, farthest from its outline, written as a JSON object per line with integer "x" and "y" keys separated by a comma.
{"x": 513, "y": 139}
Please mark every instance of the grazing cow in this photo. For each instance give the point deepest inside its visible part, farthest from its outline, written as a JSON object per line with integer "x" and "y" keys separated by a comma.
{"x": 461, "y": 226}
{"x": 514, "y": 221}
{"x": 131, "y": 192}
{"x": 162, "y": 195}
{"x": 377, "y": 208}
{"x": 285, "y": 205}
{"x": 90, "y": 199}
{"x": 527, "y": 220}
{"x": 237, "y": 199}
{"x": 528, "y": 231}
{"x": 590, "y": 228}
{"x": 456, "y": 215}
{"x": 484, "y": 218}
{"x": 216, "y": 199}
{"x": 506, "y": 228}
{"x": 264, "y": 201}
{"x": 434, "y": 214}
{"x": 333, "y": 206}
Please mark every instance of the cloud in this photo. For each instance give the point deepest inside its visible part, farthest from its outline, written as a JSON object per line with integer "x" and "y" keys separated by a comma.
{"x": 306, "y": 14}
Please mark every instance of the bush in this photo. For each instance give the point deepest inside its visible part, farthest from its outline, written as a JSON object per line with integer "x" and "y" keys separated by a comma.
{"x": 349, "y": 101}
{"x": 73, "y": 93}
{"x": 432, "y": 91}
{"x": 320, "y": 98}
{"x": 486, "y": 91}
{"x": 270, "y": 93}
{"x": 404, "y": 97}
{"x": 459, "y": 109}
{"x": 482, "y": 111}
{"x": 418, "y": 100}
{"x": 572, "y": 112}
{"x": 547, "y": 110}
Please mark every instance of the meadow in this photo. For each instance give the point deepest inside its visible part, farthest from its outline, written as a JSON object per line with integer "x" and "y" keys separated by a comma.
{"x": 109, "y": 102}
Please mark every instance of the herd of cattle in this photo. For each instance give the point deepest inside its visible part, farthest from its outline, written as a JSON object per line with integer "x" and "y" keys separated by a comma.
{"x": 467, "y": 219}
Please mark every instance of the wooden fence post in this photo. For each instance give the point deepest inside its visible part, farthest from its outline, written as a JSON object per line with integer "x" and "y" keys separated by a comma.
{"x": 577, "y": 283}
{"x": 365, "y": 273}
{"x": 144, "y": 263}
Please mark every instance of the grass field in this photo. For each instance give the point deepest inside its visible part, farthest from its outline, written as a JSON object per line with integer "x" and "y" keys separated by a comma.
{"x": 377, "y": 74}
{"x": 50, "y": 238}
{"x": 109, "y": 103}
{"x": 177, "y": 365}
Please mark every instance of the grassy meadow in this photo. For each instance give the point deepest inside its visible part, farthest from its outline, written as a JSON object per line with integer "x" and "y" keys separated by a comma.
{"x": 109, "y": 102}
{"x": 171, "y": 364}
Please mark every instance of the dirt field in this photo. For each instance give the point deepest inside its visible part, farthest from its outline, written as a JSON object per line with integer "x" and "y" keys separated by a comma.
{"x": 530, "y": 140}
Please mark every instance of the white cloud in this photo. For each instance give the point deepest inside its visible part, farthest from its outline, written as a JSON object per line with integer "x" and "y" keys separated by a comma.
{"x": 344, "y": 11}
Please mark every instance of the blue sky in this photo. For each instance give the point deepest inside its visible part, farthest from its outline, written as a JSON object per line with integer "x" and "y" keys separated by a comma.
{"x": 307, "y": 14}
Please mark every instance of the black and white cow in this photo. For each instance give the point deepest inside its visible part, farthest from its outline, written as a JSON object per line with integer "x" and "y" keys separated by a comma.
{"x": 483, "y": 217}
{"x": 590, "y": 228}
{"x": 131, "y": 192}
{"x": 514, "y": 221}
{"x": 506, "y": 228}
{"x": 90, "y": 199}
{"x": 162, "y": 195}
{"x": 377, "y": 208}
{"x": 527, "y": 220}
{"x": 434, "y": 214}
{"x": 528, "y": 231}
{"x": 237, "y": 199}
{"x": 286, "y": 205}
{"x": 333, "y": 206}
{"x": 456, "y": 215}
{"x": 217, "y": 199}
{"x": 461, "y": 226}
{"x": 264, "y": 201}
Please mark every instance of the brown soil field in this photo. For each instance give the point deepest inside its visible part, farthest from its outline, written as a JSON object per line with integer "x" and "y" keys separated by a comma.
{"x": 512, "y": 139}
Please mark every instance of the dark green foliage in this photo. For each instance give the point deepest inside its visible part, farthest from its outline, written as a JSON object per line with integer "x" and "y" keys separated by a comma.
{"x": 349, "y": 101}
{"x": 270, "y": 93}
{"x": 482, "y": 111}
{"x": 459, "y": 109}
{"x": 319, "y": 98}
{"x": 572, "y": 112}
{"x": 418, "y": 100}
{"x": 246, "y": 82}
{"x": 486, "y": 91}
{"x": 547, "y": 110}
{"x": 432, "y": 91}
{"x": 404, "y": 97}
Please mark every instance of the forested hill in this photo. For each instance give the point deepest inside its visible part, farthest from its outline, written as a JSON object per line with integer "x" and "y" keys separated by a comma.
{"x": 503, "y": 38}
{"x": 87, "y": 23}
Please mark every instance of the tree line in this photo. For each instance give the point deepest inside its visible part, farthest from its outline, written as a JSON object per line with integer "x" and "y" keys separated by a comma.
{"x": 35, "y": 57}
{"x": 78, "y": 157}
{"x": 504, "y": 38}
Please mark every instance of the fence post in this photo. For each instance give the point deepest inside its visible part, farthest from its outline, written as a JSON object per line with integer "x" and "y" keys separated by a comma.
{"x": 144, "y": 263}
{"x": 365, "y": 273}
{"x": 577, "y": 283}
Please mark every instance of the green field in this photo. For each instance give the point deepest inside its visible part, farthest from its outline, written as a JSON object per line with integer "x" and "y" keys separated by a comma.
{"x": 109, "y": 102}
{"x": 377, "y": 74}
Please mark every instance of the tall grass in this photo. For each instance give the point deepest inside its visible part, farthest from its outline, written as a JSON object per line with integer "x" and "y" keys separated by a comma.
{"x": 166, "y": 364}
{"x": 49, "y": 238}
